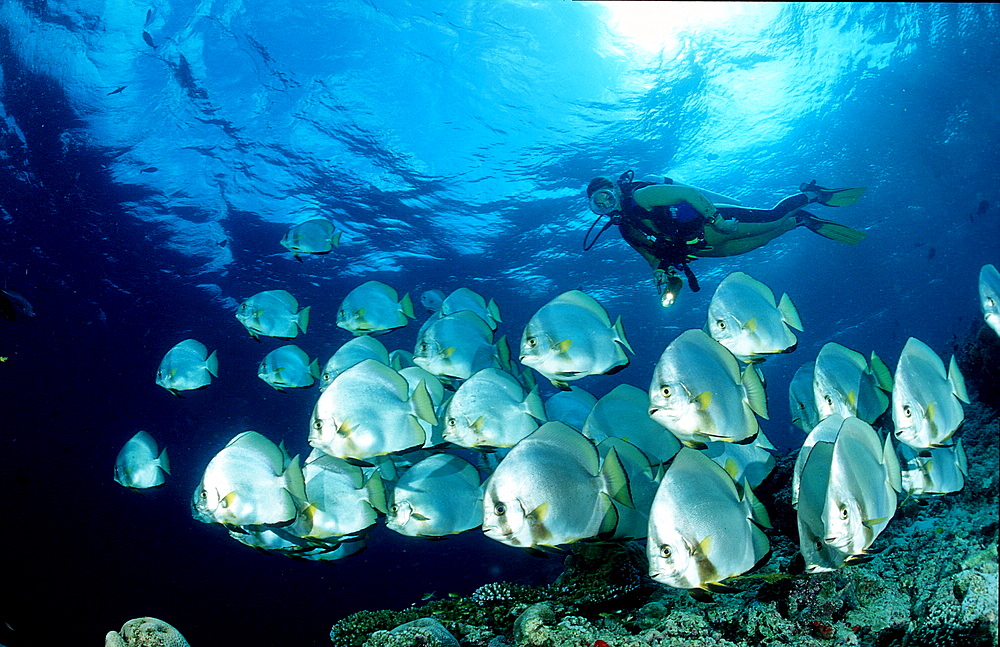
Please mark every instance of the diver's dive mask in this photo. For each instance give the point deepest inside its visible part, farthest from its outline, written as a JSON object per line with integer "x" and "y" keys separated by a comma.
{"x": 605, "y": 201}
{"x": 669, "y": 285}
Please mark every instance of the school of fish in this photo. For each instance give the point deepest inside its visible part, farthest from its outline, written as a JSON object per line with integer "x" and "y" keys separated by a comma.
{"x": 455, "y": 435}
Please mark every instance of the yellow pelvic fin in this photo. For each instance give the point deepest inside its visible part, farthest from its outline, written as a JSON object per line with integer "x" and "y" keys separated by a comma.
{"x": 703, "y": 399}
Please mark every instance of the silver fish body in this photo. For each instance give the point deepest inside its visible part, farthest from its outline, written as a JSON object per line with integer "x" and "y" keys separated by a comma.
{"x": 751, "y": 463}
{"x": 802, "y": 398}
{"x": 140, "y": 464}
{"x": 744, "y": 317}
{"x": 702, "y": 529}
{"x": 288, "y": 367}
{"x": 368, "y": 411}
{"x": 438, "y": 496}
{"x": 491, "y": 409}
{"x": 552, "y": 489}
{"x": 571, "y": 337}
{"x": 340, "y": 502}
{"x": 374, "y": 308}
{"x": 187, "y": 366}
{"x": 845, "y": 491}
{"x": 937, "y": 470}
{"x": 989, "y": 296}
{"x": 456, "y": 346}
{"x": 624, "y": 413}
{"x": 314, "y": 236}
{"x": 248, "y": 484}
{"x": 273, "y": 313}
{"x": 350, "y": 353}
{"x": 926, "y": 400}
{"x": 846, "y": 384}
{"x": 699, "y": 395}
{"x": 571, "y": 406}
{"x": 466, "y": 299}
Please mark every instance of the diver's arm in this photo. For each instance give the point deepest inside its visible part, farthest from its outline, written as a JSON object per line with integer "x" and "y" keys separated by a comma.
{"x": 666, "y": 195}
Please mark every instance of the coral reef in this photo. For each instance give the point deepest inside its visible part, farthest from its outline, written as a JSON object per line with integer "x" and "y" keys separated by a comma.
{"x": 145, "y": 632}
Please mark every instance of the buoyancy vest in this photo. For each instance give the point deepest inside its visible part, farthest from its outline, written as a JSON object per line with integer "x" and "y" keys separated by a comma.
{"x": 672, "y": 233}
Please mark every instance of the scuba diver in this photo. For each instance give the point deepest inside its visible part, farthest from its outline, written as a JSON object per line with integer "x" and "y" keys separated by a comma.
{"x": 671, "y": 224}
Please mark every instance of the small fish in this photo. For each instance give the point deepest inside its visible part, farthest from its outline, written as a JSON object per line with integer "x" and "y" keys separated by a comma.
{"x": 14, "y": 307}
{"x": 120, "y": 88}
{"x": 490, "y": 410}
{"x": 273, "y": 313}
{"x": 702, "y": 528}
{"x": 571, "y": 337}
{"x": 926, "y": 400}
{"x": 368, "y": 411}
{"x": 466, "y": 299}
{"x": 148, "y": 39}
{"x": 623, "y": 413}
{"x": 139, "y": 464}
{"x": 432, "y": 300}
{"x": 149, "y": 169}
{"x": 438, "y": 496}
{"x": 933, "y": 471}
{"x": 288, "y": 367}
{"x": 846, "y": 384}
{"x": 340, "y": 501}
{"x": 352, "y": 352}
{"x": 315, "y": 236}
{"x": 858, "y": 498}
{"x": 699, "y": 395}
{"x": 989, "y": 296}
{"x": 458, "y": 345}
{"x": 187, "y": 366}
{"x": 551, "y": 489}
{"x": 571, "y": 406}
{"x": 374, "y": 308}
{"x": 744, "y": 317}
{"x": 802, "y": 398}
{"x": 249, "y": 484}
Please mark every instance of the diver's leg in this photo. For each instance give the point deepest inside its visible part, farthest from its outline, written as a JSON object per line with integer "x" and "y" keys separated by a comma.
{"x": 788, "y": 206}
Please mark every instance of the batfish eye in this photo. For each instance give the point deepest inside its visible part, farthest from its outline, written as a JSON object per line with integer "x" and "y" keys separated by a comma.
{"x": 721, "y": 324}
{"x": 843, "y": 514}
{"x": 532, "y": 342}
{"x": 318, "y": 424}
{"x": 499, "y": 509}
{"x": 665, "y": 551}
{"x": 451, "y": 422}
{"x": 819, "y": 544}
{"x": 906, "y": 410}
{"x": 990, "y": 302}
{"x": 203, "y": 494}
{"x": 665, "y": 391}
{"x": 394, "y": 508}
{"x": 829, "y": 401}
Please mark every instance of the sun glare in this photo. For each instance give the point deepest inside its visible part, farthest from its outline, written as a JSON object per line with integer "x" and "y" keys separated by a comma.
{"x": 656, "y": 26}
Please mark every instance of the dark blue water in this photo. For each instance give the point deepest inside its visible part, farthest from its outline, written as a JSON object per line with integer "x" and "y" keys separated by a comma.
{"x": 451, "y": 143}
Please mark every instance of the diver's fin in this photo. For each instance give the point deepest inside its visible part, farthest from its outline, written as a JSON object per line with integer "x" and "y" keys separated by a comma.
{"x": 833, "y": 197}
{"x": 832, "y": 230}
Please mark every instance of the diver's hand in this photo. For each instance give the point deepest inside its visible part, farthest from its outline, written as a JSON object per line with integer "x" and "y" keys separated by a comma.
{"x": 725, "y": 226}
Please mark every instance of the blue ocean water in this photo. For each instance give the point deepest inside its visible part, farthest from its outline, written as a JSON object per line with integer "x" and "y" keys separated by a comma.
{"x": 155, "y": 152}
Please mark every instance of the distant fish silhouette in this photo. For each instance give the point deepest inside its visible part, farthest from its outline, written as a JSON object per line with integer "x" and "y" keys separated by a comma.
{"x": 149, "y": 17}
{"x": 149, "y": 169}
{"x": 13, "y": 306}
{"x": 984, "y": 206}
{"x": 149, "y": 39}
{"x": 931, "y": 253}
{"x": 117, "y": 90}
